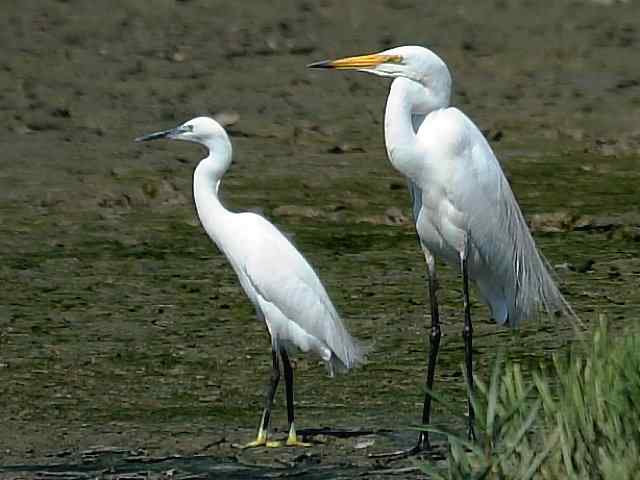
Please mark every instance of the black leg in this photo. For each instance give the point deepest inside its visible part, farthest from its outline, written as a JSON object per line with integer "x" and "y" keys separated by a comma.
{"x": 292, "y": 439}
{"x": 434, "y": 341}
{"x": 288, "y": 384}
{"x": 271, "y": 390}
{"x": 263, "y": 428}
{"x": 467, "y": 335}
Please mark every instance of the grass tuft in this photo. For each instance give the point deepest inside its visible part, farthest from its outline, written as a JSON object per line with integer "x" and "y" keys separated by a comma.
{"x": 579, "y": 420}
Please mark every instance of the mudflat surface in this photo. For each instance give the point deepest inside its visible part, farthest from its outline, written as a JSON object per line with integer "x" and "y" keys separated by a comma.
{"x": 128, "y": 350}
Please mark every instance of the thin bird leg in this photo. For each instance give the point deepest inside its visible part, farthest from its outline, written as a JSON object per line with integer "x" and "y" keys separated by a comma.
{"x": 467, "y": 335}
{"x": 434, "y": 341}
{"x": 263, "y": 429}
{"x": 292, "y": 439}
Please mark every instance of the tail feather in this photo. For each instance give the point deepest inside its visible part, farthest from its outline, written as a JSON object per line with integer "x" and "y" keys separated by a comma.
{"x": 350, "y": 354}
{"x": 515, "y": 277}
{"x": 534, "y": 290}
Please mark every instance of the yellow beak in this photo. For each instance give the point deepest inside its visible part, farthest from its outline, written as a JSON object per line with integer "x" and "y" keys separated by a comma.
{"x": 355, "y": 63}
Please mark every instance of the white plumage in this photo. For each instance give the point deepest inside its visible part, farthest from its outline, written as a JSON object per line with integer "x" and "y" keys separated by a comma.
{"x": 467, "y": 205}
{"x": 280, "y": 283}
{"x": 284, "y": 289}
{"x": 464, "y": 209}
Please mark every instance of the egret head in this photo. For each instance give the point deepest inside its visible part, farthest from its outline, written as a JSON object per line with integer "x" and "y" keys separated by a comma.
{"x": 203, "y": 130}
{"x": 413, "y": 62}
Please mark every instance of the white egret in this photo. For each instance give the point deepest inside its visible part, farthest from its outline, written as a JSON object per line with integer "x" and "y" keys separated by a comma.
{"x": 464, "y": 209}
{"x": 284, "y": 289}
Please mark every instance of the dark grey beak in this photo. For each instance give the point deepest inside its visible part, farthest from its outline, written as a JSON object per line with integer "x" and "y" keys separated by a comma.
{"x": 322, "y": 64}
{"x": 155, "y": 135}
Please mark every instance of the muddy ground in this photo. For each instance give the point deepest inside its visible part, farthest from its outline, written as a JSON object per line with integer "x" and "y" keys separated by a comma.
{"x": 127, "y": 348}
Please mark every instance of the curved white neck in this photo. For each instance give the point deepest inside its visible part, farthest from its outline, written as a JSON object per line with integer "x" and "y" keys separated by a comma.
{"x": 206, "y": 182}
{"x": 408, "y": 103}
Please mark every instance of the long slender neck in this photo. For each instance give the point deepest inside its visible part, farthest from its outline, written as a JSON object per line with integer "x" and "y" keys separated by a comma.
{"x": 408, "y": 100}
{"x": 206, "y": 182}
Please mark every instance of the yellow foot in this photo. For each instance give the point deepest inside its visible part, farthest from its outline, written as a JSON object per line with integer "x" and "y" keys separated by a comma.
{"x": 292, "y": 441}
{"x": 260, "y": 441}
{"x": 297, "y": 443}
{"x": 254, "y": 444}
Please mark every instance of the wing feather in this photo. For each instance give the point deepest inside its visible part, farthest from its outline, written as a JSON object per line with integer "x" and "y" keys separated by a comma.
{"x": 509, "y": 268}
{"x": 283, "y": 277}
{"x": 416, "y": 199}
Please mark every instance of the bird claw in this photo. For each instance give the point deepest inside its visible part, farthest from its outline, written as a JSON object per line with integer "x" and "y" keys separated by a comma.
{"x": 422, "y": 448}
{"x": 293, "y": 441}
{"x": 400, "y": 454}
{"x": 290, "y": 442}
{"x": 260, "y": 441}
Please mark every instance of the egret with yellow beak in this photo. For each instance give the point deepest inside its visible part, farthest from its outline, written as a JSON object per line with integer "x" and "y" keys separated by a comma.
{"x": 464, "y": 210}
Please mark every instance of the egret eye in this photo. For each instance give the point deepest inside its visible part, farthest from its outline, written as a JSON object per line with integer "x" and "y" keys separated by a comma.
{"x": 188, "y": 128}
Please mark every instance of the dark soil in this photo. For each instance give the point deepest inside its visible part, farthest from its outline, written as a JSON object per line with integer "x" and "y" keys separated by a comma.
{"x": 127, "y": 348}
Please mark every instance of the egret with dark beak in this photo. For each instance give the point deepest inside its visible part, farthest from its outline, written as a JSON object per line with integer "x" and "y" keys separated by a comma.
{"x": 285, "y": 291}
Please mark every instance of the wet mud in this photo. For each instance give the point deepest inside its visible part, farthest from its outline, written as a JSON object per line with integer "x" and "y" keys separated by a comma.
{"x": 127, "y": 348}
